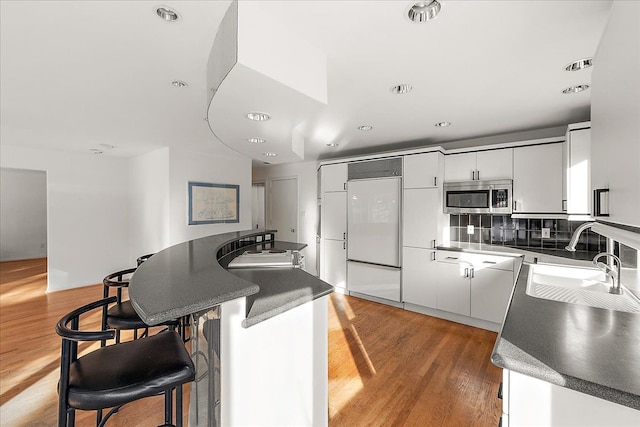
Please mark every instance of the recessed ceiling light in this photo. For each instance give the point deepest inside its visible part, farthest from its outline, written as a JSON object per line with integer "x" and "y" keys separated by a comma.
{"x": 400, "y": 89}
{"x": 270, "y": 154}
{"x": 179, "y": 83}
{"x": 167, "y": 13}
{"x": 424, "y": 11}
{"x": 256, "y": 140}
{"x": 575, "y": 89}
{"x": 95, "y": 151}
{"x": 258, "y": 117}
{"x": 580, "y": 64}
{"x": 365, "y": 128}
{"x": 332, "y": 144}
{"x": 107, "y": 146}
{"x": 442, "y": 124}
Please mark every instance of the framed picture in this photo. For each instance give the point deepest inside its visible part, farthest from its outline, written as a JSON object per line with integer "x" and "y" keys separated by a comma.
{"x": 213, "y": 203}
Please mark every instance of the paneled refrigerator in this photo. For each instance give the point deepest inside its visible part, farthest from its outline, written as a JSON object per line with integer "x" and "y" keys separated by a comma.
{"x": 373, "y": 227}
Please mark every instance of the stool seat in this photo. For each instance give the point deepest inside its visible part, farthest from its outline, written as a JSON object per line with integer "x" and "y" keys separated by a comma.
{"x": 123, "y": 316}
{"x": 129, "y": 371}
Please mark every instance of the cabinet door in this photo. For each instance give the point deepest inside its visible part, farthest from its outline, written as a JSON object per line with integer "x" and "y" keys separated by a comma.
{"x": 419, "y": 277}
{"x": 333, "y": 263}
{"x": 333, "y": 177}
{"x": 333, "y": 222}
{"x": 453, "y": 293}
{"x": 490, "y": 292}
{"x": 460, "y": 167}
{"x": 537, "y": 178}
{"x": 494, "y": 164}
{"x": 423, "y": 170}
{"x": 420, "y": 217}
{"x": 578, "y": 172}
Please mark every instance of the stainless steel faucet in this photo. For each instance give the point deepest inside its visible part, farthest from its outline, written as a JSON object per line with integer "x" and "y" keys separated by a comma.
{"x": 615, "y": 274}
{"x": 571, "y": 247}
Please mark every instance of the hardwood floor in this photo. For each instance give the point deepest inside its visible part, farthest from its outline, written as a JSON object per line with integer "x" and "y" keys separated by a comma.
{"x": 387, "y": 367}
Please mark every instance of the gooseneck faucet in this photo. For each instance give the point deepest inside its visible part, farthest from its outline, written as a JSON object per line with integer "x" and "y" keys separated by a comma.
{"x": 571, "y": 247}
{"x": 615, "y": 274}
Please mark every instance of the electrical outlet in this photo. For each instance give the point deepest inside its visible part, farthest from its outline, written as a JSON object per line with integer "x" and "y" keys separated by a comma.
{"x": 470, "y": 229}
{"x": 546, "y": 233}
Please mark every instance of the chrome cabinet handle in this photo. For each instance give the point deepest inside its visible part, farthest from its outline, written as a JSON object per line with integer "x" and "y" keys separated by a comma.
{"x": 478, "y": 174}
{"x": 344, "y": 245}
{"x": 466, "y": 272}
{"x": 473, "y": 175}
{"x": 433, "y": 256}
{"x": 451, "y": 257}
{"x": 344, "y": 236}
{"x": 435, "y": 181}
{"x": 515, "y": 205}
{"x": 472, "y": 272}
{"x": 434, "y": 243}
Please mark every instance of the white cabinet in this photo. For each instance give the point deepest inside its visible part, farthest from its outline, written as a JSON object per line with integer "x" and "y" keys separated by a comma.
{"x": 333, "y": 266}
{"x": 333, "y": 223}
{"x": 453, "y": 293}
{"x": 533, "y": 402}
{"x": 423, "y": 170}
{"x": 474, "y": 284}
{"x": 481, "y": 165}
{"x": 490, "y": 293}
{"x": 333, "y": 177}
{"x": 577, "y": 169}
{"x": 419, "y": 276}
{"x": 537, "y": 179}
{"x": 421, "y": 212}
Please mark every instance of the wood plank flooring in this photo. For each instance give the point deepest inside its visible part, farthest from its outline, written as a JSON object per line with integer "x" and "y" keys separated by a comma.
{"x": 387, "y": 367}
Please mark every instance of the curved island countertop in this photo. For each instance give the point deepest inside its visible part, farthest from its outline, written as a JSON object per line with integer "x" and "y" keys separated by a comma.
{"x": 190, "y": 277}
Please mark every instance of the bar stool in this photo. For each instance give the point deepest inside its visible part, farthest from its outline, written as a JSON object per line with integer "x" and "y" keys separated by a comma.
{"x": 143, "y": 258}
{"x": 122, "y": 315}
{"x": 112, "y": 376}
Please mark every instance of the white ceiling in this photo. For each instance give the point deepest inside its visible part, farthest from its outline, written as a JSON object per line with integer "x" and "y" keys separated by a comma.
{"x": 82, "y": 73}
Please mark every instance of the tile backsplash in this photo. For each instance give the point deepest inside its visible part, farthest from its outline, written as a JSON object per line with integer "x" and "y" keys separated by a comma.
{"x": 524, "y": 233}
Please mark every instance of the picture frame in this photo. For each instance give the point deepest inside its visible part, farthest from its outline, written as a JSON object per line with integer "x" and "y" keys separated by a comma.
{"x": 213, "y": 203}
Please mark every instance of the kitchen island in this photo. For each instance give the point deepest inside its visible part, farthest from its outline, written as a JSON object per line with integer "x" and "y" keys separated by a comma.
{"x": 567, "y": 363}
{"x": 259, "y": 335}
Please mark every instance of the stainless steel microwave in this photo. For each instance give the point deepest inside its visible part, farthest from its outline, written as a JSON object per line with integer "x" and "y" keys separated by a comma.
{"x": 484, "y": 197}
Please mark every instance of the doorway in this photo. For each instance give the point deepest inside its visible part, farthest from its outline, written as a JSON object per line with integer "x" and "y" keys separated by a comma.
{"x": 258, "y": 206}
{"x": 283, "y": 208}
{"x": 23, "y": 214}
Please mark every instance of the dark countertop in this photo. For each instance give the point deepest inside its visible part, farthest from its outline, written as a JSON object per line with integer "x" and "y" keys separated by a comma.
{"x": 189, "y": 277}
{"x": 591, "y": 350}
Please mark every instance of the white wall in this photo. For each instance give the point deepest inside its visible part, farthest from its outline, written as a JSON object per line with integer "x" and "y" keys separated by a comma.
{"x": 87, "y": 205}
{"x": 149, "y": 203}
{"x": 306, "y": 172}
{"x": 185, "y": 166}
{"x": 23, "y": 214}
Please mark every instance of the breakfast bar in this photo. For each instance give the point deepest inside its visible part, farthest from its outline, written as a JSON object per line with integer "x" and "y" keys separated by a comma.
{"x": 258, "y": 334}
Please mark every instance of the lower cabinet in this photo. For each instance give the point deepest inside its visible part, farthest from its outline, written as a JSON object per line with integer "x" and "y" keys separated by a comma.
{"x": 529, "y": 401}
{"x": 454, "y": 287}
{"x": 419, "y": 276}
{"x": 490, "y": 293}
{"x": 474, "y": 284}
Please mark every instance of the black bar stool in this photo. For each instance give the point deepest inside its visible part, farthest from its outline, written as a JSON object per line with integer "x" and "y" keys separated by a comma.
{"x": 112, "y": 376}
{"x": 122, "y": 315}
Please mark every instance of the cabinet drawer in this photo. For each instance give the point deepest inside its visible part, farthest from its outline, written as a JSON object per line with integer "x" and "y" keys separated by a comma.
{"x": 478, "y": 261}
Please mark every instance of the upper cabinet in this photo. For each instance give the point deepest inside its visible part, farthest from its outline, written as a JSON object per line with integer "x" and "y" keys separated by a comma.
{"x": 423, "y": 170}
{"x": 537, "y": 179}
{"x": 333, "y": 177}
{"x": 577, "y": 173}
{"x": 615, "y": 108}
{"x": 481, "y": 165}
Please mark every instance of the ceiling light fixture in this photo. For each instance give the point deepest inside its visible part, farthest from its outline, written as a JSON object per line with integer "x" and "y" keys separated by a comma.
{"x": 256, "y": 140}
{"x": 580, "y": 64}
{"x": 95, "y": 151}
{"x": 179, "y": 83}
{"x": 107, "y": 146}
{"x": 402, "y": 88}
{"x": 442, "y": 124}
{"x": 424, "y": 11}
{"x": 270, "y": 154}
{"x": 365, "y": 128}
{"x": 575, "y": 89}
{"x": 167, "y": 14}
{"x": 332, "y": 144}
{"x": 258, "y": 117}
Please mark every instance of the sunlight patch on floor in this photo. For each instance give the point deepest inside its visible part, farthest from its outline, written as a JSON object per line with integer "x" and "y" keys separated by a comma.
{"x": 32, "y": 406}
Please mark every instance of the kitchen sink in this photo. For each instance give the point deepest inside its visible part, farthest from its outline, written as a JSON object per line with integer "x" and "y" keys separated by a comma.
{"x": 576, "y": 285}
